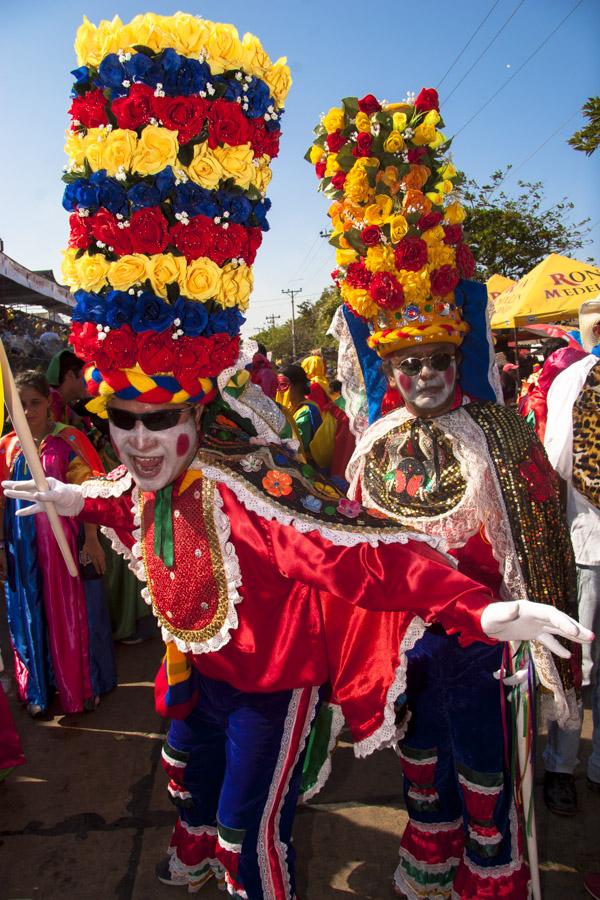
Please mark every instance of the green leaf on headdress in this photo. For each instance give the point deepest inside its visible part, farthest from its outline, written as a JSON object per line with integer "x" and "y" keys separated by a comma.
{"x": 219, "y": 89}
{"x": 346, "y": 158}
{"x": 334, "y": 240}
{"x": 307, "y": 154}
{"x": 185, "y": 155}
{"x": 350, "y": 105}
{"x": 147, "y": 51}
{"x": 371, "y": 173}
{"x": 321, "y": 140}
{"x": 173, "y": 292}
{"x": 354, "y": 239}
{"x": 167, "y": 211}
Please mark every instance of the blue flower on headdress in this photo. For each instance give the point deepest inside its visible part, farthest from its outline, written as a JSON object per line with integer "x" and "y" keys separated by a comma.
{"x": 165, "y": 182}
{"x": 195, "y": 200}
{"x": 119, "y": 308}
{"x": 233, "y": 88}
{"x": 259, "y": 214}
{"x": 80, "y": 194}
{"x": 258, "y": 98}
{"x": 141, "y": 68}
{"x": 182, "y": 75}
{"x": 238, "y": 207}
{"x": 151, "y": 313}
{"x": 143, "y": 194}
{"x": 110, "y": 193}
{"x": 88, "y": 308}
{"x": 82, "y": 77}
{"x": 225, "y": 321}
{"x": 192, "y": 316}
{"x": 111, "y": 74}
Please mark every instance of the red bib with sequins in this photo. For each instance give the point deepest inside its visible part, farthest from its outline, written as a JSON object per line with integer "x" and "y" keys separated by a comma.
{"x": 190, "y": 597}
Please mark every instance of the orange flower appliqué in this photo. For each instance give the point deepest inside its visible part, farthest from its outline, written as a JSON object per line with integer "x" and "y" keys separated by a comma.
{"x": 278, "y": 484}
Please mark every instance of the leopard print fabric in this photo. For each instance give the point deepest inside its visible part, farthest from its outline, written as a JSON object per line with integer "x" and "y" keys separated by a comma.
{"x": 586, "y": 438}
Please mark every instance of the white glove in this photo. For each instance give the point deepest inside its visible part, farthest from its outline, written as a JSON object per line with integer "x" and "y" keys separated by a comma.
{"x": 522, "y": 620}
{"x": 520, "y": 677}
{"x": 67, "y": 498}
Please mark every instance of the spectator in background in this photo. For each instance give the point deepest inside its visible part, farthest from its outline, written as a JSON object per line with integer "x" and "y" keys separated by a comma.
{"x": 572, "y": 441}
{"x": 59, "y": 625}
{"x": 316, "y": 429}
{"x": 509, "y": 384}
{"x": 65, "y": 375}
{"x": 262, "y": 372}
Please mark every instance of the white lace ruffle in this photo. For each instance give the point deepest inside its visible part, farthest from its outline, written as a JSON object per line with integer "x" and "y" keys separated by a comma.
{"x": 269, "y": 511}
{"x": 337, "y": 723}
{"x": 388, "y": 734}
{"x": 349, "y": 373}
{"x": 104, "y": 488}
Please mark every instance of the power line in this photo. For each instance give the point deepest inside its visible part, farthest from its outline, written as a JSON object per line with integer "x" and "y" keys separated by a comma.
{"x": 541, "y": 147}
{"x": 271, "y": 320}
{"x": 292, "y": 294}
{"x": 475, "y": 33}
{"x": 482, "y": 54}
{"x": 306, "y": 257}
{"x": 521, "y": 67}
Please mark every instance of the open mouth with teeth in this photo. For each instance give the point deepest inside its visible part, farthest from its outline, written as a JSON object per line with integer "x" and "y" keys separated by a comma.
{"x": 147, "y": 467}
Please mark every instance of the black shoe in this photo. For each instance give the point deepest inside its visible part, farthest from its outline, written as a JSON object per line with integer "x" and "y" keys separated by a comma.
{"x": 592, "y": 785}
{"x": 560, "y": 795}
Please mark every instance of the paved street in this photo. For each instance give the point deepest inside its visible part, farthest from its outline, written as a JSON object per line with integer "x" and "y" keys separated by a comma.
{"x": 88, "y": 817}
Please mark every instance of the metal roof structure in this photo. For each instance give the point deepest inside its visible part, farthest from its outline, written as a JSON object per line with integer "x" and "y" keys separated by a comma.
{"x": 21, "y": 287}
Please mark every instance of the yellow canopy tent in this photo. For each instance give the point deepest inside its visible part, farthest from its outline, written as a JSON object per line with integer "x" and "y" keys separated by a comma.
{"x": 553, "y": 290}
{"x": 496, "y": 285}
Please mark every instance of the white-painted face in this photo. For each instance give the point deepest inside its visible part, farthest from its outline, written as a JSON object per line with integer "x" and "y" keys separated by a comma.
{"x": 429, "y": 392}
{"x": 154, "y": 458}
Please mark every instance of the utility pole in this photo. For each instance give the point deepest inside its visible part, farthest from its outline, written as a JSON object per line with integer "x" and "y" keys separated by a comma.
{"x": 292, "y": 294}
{"x": 271, "y": 320}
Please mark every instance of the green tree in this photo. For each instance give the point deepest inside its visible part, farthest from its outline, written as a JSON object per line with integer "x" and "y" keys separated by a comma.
{"x": 588, "y": 137}
{"x": 312, "y": 322}
{"x": 511, "y": 235}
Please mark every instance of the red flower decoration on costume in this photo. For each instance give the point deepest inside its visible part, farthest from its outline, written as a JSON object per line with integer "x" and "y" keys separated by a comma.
{"x": 105, "y": 228}
{"x": 427, "y": 99}
{"x": 364, "y": 144}
{"x": 155, "y": 352}
{"x": 90, "y": 110}
{"x": 227, "y": 124}
{"x": 465, "y": 261}
{"x": 116, "y": 351}
{"x": 136, "y": 109}
{"x": 369, "y": 104}
{"x": 452, "y": 234}
{"x": 370, "y": 235}
{"x": 351, "y": 509}
{"x": 223, "y": 352}
{"x": 386, "y": 290}
{"x": 228, "y": 243}
{"x": 149, "y": 231}
{"x": 443, "y": 280}
{"x": 262, "y": 140}
{"x": 416, "y": 154}
{"x": 254, "y": 238}
{"x": 193, "y": 240}
{"x": 358, "y": 276}
{"x": 539, "y": 475}
{"x": 335, "y": 141}
{"x": 429, "y": 220}
{"x": 320, "y": 168}
{"x": 186, "y": 115}
{"x": 411, "y": 254}
{"x": 339, "y": 180}
{"x": 80, "y": 235}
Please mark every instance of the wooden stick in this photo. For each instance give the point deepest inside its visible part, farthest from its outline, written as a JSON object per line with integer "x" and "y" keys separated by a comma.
{"x": 30, "y": 452}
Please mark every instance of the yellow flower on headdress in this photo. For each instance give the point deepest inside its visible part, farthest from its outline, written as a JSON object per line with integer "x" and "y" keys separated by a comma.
{"x": 118, "y": 150}
{"x": 85, "y": 43}
{"x": 380, "y": 259}
{"x": 108, "y": 37}
{"x": 224, "y": 48}
{"x": 131, "y": 269}
{"x": 399, "y": 121}
{"x": 377, "y": 213}
{"x": 76, "y": 147}
{"x": 433, "y": 235}
{"x": 440, "y": 255}
{"x": 345, "y": 257}
{"x": 334, "y": 120}
{"x": 332, "y": 166}
{"x": 356, "y": 186}
{"x": 92, "y": 271}
{"x": 254, "y": 58}
{"x": 200, "y": 279}
{"x": 444, "y": 187}
{"x": 262, "y": 174}
{"x": 205, "y": 169}
{"x": 359, "y": 300}
{"x": 416, "y": 285}
{"x": 438, "y": 140}
{"x": 157, "y": 148}
{"x": 432, "y": 117}
{"x": 362, "y": 121}
{"x": 424, "y": 134}
{"x": 236, "y": 286}
{"x": 68, "y": 270}
{"x": 447, "y": 171}
{"x": 316, "y": 153}
{"x": 398, "y": 228}
{"x": 187, "y": 33}
{"x": 279, "y": 80}
{"x": 394, "y": 142}
{"x": 454, "y": 214}
{"x": 146, "y": 29}
{"x": 237, "y": 163}
{"x": 165, "y": 269}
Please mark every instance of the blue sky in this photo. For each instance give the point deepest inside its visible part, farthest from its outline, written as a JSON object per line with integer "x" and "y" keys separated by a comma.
{"x": 334, "y": 50}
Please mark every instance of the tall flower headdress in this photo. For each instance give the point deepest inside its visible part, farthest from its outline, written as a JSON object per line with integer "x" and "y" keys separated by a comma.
{"x": 396, "y": 225}
{"x": 175, "y": 121}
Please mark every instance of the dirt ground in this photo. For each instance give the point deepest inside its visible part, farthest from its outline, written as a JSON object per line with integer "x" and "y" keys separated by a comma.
{"x": 88, "y": 817}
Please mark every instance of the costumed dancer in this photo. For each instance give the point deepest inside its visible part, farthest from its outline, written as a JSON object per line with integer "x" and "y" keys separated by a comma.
{"x": 468, "y": 472}
{"x": 251, "y": 564}
{"x": 59, "y": 625}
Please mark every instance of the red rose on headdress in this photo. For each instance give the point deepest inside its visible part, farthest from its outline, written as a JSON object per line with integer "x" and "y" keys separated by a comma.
{"x": 386, "y": 290}
{"x": 227, "y": 124}
{"x": 429, "y": 220}
{"x": 190, "y": 361}
{"x": 80, "y": 231}
{"x": 149, "y": 231}
{"x": 195, "y": 239}
{"x": 370, "y": 235}
{"x": 416, "y": 154}
{"x": 83, "y": 338}
{"x": 358, "y": 276}
{"x": 136, "y": 109}
{"x": 262, "y": 140}
{"x": 369, "y": 104}
{"x": 223, "y": 352}
{"x": 427, "y": 99}
{"x": 320, "y": 168}
{"x": 364, "y": 144}
{"x": 228, "y": 243}
{"x": 335, "y": 141}
{"x": 90, "y": 110}
{"x": 105, "y": 228}
{"x": 339, "y": 180}
{"x": 411, "y": 254}
{"x": 117, "y": 350}
{"x": 465, "y": 261}
{"x": 155, "y": 351}
{"x": 186, "y": 115}
{"x": 452, "y": 234}
{"x": 254, "y": 236}
{"x": 443, "y": 280}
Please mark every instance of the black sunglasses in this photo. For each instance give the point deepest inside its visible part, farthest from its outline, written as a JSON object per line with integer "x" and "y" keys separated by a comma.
{"x": 153, "y": 421}
{"x": 412, "y": 365}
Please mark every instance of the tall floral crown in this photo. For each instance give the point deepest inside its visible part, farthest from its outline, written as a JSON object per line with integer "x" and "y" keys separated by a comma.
{"x": 396, "y": 227}
{"x": 175, "y": 121}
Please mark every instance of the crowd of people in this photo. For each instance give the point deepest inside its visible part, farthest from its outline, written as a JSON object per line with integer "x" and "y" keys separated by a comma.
{"x": 391, "y": 550}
